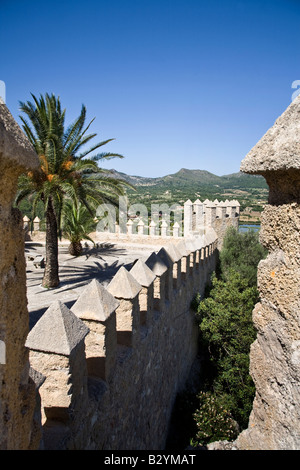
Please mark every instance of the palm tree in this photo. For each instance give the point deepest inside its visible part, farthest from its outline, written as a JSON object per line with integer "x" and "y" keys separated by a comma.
{"x": 77, "y": 225}
{"x": 65, "y": 170}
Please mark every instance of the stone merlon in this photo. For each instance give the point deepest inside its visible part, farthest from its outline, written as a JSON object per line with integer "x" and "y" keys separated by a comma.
{"x": 279, "y": 148}
{"x": 95, "y": 303}
{"x": 124, "y": 285}
{"x": 58, "y": 331}
{"x": 15, "y": 148}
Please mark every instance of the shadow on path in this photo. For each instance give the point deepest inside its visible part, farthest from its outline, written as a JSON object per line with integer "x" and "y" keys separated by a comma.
{"x": 73, "y": 278}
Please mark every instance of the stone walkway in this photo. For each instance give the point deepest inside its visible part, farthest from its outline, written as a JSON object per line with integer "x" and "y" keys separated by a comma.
{"x": 101, "y": 263}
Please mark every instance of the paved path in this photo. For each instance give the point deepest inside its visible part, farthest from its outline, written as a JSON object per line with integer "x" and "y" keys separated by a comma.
{"x": 75, "y": 273}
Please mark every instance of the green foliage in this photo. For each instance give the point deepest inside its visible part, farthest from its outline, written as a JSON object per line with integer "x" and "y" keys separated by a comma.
{"x": 214, "y": 421}
{"x": 226, "y": 333}
{"x": 241, "y": 252}
{"x": 77, "y": 222}
{"x": 186, "y": 184}
{"x": 66, "y": 170}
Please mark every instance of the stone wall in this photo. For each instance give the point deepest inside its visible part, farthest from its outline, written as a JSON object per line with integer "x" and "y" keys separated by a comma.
{"x": 104, "y": 375}
{"x": 17, "y": 391}
{"x": 274, "y": 423}
{"x": 195, "y": 219}
{"x": 113, "y": 364}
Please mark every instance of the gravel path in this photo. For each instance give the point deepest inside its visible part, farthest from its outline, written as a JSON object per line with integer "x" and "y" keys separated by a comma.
{"x": 101, "y": 263}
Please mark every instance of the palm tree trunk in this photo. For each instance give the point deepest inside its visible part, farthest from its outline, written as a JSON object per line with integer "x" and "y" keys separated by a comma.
{"x": 51, "y": 278}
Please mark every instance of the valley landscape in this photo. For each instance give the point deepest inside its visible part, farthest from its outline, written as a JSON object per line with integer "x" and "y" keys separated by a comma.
{"x": 250, "y": 191}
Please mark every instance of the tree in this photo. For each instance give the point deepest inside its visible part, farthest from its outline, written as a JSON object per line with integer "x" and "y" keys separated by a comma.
{"x": 226, "y": 334}
{"x": 242, "y": 252}
{"x": 65, "y": 170}
{"x": 76, "y": 226}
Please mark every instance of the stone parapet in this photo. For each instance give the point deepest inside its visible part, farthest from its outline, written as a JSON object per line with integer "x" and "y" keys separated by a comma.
{"x": 113, "y": 363}
{"x": 197, "y": 218}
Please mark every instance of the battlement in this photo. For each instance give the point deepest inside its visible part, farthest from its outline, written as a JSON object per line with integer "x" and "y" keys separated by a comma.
{"x": 111, "y": 366}
{"x": 191, "y": 219}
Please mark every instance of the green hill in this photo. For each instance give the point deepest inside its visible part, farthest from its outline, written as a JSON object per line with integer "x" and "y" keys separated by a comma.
{"x": 249, "y": 190}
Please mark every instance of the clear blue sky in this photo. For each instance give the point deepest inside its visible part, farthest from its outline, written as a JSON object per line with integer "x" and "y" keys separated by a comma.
{"x": 177, "y": 83}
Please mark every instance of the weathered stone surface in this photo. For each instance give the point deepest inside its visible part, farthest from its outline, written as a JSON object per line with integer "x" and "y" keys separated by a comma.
{"x": 274, "y": 356}
{"x": 124, "y": 285}
{"x": 279, "y": 148}
{"x": 156, "y": 264}
{"x": 173, "y": 252}
{"x": 17, "y": 391}
{"x": 95, "y": 303}
{"x": 15, "y": 148}
{"x": 59, "y": 331}
{"x": 142, "y": 273}
{"x": 274, "y": 422}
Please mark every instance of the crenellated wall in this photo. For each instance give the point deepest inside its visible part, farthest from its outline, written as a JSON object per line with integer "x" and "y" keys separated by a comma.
{"x": 113, "y": 364}
{"x": 193, "y": 220}
{"x": 219, "y": 215}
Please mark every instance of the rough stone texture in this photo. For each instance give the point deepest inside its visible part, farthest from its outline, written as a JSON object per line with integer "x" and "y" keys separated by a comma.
{"x": 95, "y": 303}
{"x": 279, "y": 148}
{"x": 17, "y": 389}
{"x": 131, "y": 385}
{"x": 58, "y": 353}
{"x": 124, "y": 285}
{"x": 275, "y": 355}
{"x": 58, "y": 331}
{"x": 274, "y": 422}
{"x": 15, "y": 148}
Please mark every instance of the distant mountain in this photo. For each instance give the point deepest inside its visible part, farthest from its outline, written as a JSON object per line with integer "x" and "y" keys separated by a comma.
{"x": 197, "y": 177}
{"x": 186, "y": 184}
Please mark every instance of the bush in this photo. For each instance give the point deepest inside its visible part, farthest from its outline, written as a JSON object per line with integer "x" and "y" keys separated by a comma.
{"x": 226, "y": 334}
{"x": 241, "y": 252}
{"x": 227, "y": 331}
{"x": 214, "y": 421}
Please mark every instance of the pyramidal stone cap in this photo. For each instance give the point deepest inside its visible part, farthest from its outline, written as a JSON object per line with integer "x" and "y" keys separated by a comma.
{"x": 210, "y": 236}
{"x": 95, "y": 303}
{"x": 124, "y": 285}
{"x": 156, "y": 264}
{"x": 165, "y": 257}
{"x": 142, "y": 273}
{"x": 15, "y": 148}
{"x": 58, "y": 331}
{"x": 279, "y": 148}
{"x": 182, "y": 247}
{"x": 173, "y": 252}
{"x": 200, "y": 242}
{"x": 190, "y": 244}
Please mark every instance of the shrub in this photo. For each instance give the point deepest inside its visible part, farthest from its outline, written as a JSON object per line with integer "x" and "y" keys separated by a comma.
{"x": 214, "y": 421}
